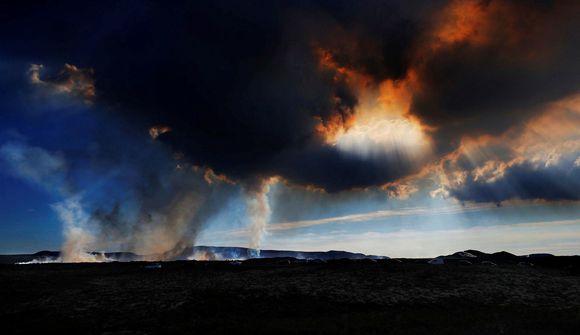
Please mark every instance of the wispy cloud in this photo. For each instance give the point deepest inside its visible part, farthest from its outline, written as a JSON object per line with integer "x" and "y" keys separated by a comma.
{"x": 361, "y": 217}
{"x": 377, "y": 215}
{"x": 34, "y": 164}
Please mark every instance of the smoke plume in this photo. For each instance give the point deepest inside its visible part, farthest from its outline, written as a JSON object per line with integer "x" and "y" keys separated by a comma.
{"x": 259, "y": 211}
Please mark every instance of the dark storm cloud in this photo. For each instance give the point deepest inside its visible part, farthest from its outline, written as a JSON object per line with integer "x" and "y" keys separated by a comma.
{"x": 520, "y": 56}
{"x": 524, "y": 181}
{"x": 240, "y": 86}
{"x": 376, "y": 38}
{"x": 240, "y": 83}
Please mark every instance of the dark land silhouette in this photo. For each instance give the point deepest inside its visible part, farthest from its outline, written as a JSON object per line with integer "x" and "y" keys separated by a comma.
{"x": 470, "y": 293}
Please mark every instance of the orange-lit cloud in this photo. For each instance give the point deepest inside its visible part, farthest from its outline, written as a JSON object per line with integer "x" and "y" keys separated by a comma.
{"x": 70, "y": 80}
{"x": 342, "y": 118}
{"x": 547, "y": 141}
{"x": 462, "y": 21}
{"x": 383, "y": 120}
{"x": 380, "y": 124}
{"x": 158, "y": 130}
{"x": 510, "y": 27}
{"x": 211, "y": 177}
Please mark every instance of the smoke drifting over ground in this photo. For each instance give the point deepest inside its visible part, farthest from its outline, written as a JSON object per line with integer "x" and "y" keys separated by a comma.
{"x": 153, "y": 205}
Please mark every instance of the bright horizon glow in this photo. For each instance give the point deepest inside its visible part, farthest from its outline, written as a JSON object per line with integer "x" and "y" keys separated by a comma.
{"x": 441, "y": 230}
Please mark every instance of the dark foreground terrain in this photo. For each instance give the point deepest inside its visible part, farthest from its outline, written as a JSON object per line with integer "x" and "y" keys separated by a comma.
{"x": 280, "y": 296}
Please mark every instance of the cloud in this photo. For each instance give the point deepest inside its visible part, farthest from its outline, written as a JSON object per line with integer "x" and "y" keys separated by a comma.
{"x": 523, "y": 181}
{"x": 377, "y": 215}
{"x": 493, "y": 65}
{"x": 329, "y": 95}
{"x": 156, "y": 131}
{"x": 284, "y": 227}
{"x": 36, "y": 165}
{"x": 537, "y": 161}
{"x": 70, "y": 80}
{"x": 244, "y": 93}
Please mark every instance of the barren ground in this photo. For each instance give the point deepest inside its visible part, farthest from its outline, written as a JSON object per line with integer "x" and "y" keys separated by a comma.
{"x": 332, "y": 298}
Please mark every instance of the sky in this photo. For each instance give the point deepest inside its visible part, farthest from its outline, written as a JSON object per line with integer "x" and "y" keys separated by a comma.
{"x": 397, "y": 128}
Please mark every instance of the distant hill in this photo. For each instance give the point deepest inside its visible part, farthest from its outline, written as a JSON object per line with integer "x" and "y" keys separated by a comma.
{"x": 238, "y": 253}
{"x": 503, "y": 257}
{"x": 201, "y": 253}
{"x": 48, "y": 254}
{"x": 246, "y": 253}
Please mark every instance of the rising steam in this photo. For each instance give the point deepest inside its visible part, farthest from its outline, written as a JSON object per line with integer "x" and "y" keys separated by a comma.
{"x": 258, "y": 210}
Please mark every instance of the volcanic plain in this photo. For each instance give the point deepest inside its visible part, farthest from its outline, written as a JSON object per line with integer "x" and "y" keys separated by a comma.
{"x": 289, "y": 296}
